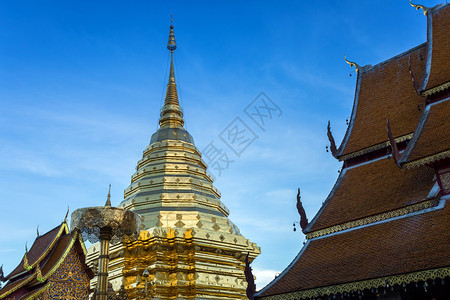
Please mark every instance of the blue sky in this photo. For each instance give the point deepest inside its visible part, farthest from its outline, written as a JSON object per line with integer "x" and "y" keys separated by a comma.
{"x": 81, "y": 84}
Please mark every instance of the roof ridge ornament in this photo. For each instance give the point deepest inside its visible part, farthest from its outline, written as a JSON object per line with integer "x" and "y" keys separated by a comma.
{"x": 301, "y": 212}
{"x": 357, "y": 67}
{"x": 395, "y": 153}
{"x": 333, "y": 148}
{"x": 39, "y": 273}
{"x": 37, "y": 231}
{"x": 418, "y": 6}
{"x": 26, "y": 265}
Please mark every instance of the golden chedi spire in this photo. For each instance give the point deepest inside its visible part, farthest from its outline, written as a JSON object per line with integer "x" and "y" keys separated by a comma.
{"x": 188, "y": 245}
{"x": 171, "y": 112}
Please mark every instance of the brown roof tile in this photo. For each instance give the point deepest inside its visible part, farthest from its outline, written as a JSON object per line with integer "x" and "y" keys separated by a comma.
{"x": 432, "y": 135}
{"x": 440, "y": 57}
{"x": 399, "y": 246}
{"x": 370, "y": 189}
{"x": 385, "y": 91}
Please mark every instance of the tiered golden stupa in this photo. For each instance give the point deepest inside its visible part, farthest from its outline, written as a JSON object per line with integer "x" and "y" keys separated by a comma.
{"x": 188, "y": 245}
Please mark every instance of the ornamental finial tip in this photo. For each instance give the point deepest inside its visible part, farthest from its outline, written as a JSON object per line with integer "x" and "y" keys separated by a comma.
{"x": 171, "y": 44}
{"x": 418, "y": 6}
{"x": 357, "y": 67}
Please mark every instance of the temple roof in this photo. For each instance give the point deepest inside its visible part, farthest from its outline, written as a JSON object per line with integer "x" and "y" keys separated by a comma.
{"x": 49, "y": 252}
{"x": 376, "y": 99}
{"x": 372, "y": 188}
{"x": 438, "y": 57}
{"x": 431, "y": 139}
{"x": 404, "y": 245}
{"x": 383, "y": 225}
{"x": 42, "y": 245}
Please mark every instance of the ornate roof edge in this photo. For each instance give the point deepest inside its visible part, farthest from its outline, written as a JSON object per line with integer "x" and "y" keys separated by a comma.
{"x": 375, "y": 218}
{"x": 352, "y": 118}
{"x": 365, "y": 284}
{"x": 426, "y": 160}
{"x": 376, "y": 147}
{"x": 437, "y": 89}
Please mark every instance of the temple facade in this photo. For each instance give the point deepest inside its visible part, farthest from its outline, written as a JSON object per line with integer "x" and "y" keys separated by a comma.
{"x": 188, "y": 248}
{"x": 53, "y": 268}
{"x": 384, "y": 230}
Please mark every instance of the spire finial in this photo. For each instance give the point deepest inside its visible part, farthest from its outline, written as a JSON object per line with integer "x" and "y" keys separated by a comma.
{"x": 37, "y": 231}
{"x": 171, "y": 44}
{"x": 357, "y": 67}
{"x": 171, "y": 113}
{"x": 108, "y": 199}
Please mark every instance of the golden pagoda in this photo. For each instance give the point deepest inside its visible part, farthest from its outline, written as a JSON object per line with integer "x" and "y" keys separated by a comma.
{"x": 188, "y": 248}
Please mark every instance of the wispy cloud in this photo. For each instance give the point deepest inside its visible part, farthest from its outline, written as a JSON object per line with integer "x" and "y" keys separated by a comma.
{"x": 264, "y": 277}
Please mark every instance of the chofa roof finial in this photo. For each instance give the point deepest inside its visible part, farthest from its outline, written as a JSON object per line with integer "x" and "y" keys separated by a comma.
{"x": 418, "y": 6}
{"x": 26, "y": 265}
{"x": 301, "y": 211}
{"x": 357, "y": 67}
{"x": 333, "y": 148}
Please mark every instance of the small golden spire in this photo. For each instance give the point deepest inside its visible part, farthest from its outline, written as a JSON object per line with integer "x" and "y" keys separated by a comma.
{"x": 418, "y": 6}
{"x": 357, "y": 67}
{"x": 108, "y": 199}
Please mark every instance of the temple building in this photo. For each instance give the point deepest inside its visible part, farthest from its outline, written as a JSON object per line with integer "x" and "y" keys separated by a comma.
{"x": 384, "y": 230}
{"x": 188, "y": 248}
{"x": 53, "y": 268}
